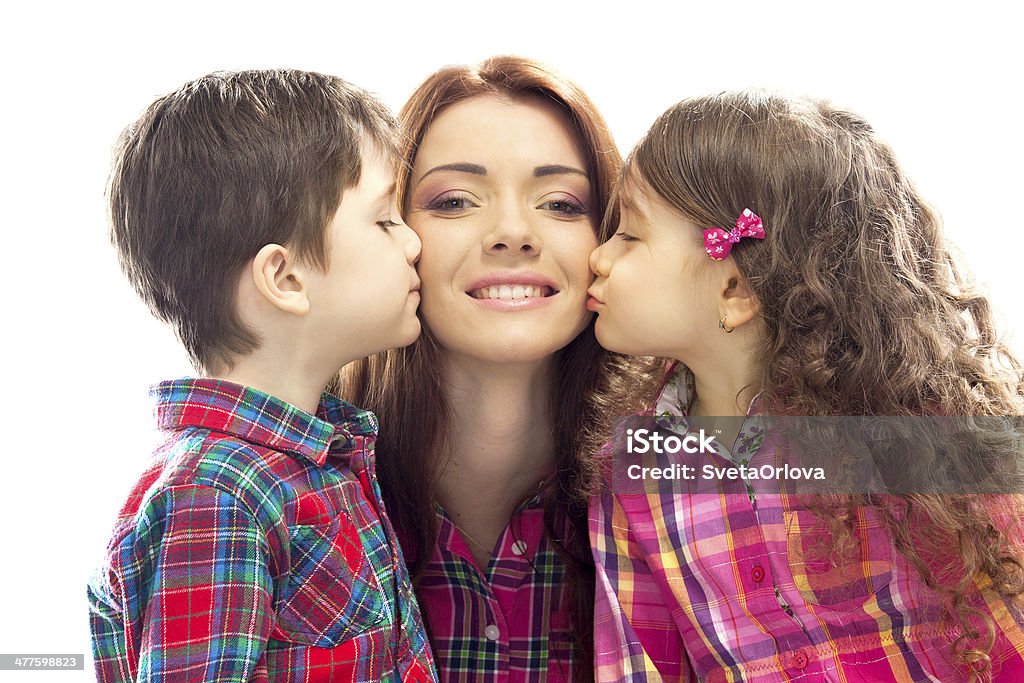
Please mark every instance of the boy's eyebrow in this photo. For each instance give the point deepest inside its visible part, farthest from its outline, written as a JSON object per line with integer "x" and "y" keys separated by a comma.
{"x": 461, "y": 166}
{"x": 387, "y": 193}
{"x": 555, "y": 169}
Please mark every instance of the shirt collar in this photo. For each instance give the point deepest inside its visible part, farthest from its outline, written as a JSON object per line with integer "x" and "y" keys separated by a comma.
{"x": 337, "y": 428}
{"x": 675, "y": 400}
{"x": 678, "y": 392}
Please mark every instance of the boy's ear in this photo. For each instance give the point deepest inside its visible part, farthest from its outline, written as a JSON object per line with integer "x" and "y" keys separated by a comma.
{"x": 737, "y": 301}
{"x": 280, "y": 279}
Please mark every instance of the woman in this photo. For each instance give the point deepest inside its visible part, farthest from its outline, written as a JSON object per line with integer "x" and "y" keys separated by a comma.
{"x": 484, "y": 419}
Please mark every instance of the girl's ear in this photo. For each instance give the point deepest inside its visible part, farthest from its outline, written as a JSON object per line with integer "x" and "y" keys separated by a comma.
{"x": 737, "y": 303}
{"x": 280, "y": 279}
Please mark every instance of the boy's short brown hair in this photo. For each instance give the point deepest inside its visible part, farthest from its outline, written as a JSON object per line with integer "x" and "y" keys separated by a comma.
{"x": 223, "y": 166}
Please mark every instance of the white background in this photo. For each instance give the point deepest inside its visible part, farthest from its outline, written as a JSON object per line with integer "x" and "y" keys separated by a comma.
{"x": 80, "y": 351}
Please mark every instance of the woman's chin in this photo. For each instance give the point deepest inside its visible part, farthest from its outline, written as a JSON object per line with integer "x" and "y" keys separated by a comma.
{"x": 514, "y": 346}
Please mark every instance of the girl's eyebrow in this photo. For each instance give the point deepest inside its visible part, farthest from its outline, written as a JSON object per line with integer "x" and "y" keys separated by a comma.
{"x": 555, "y": 169}
{"x": 459, "y": 166}
{"x": 627, "y": 206}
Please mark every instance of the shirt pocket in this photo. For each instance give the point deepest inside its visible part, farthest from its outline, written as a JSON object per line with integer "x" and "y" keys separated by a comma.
{"x": 334, "y": 590}
{"x": 850, "y": 583}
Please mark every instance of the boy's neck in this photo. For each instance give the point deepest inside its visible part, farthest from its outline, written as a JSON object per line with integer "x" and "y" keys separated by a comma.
{"x": 284, "y": 378}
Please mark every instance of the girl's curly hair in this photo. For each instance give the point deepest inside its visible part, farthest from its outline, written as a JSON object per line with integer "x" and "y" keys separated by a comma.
{"x": 866, "y": 312}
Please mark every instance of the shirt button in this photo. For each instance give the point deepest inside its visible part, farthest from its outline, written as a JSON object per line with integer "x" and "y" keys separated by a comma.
{"x": 757, "y": 573}
{"x": 492, "y": 632}
{"x": 519, "y": 548}
{"x": 800, "y": 660}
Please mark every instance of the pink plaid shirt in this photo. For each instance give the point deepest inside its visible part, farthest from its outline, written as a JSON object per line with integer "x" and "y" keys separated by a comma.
{"x": 508, "y": 622}
{"x": 724, "y": 585}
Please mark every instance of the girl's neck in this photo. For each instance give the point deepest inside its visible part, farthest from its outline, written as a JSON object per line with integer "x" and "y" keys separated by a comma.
{"x": 724, "y": 388}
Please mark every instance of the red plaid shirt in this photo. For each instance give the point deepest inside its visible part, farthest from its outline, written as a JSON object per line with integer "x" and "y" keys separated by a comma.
{"x": 256, "y": 547}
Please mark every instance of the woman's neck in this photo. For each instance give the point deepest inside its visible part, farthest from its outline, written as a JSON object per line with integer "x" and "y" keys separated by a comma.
{"x": 502, "y": 442}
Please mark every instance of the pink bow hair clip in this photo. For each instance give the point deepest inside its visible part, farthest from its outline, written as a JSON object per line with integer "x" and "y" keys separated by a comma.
{"x": 718, "y": 243}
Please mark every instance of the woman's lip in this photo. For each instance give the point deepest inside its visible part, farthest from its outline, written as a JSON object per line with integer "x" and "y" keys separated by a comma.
{"x": 512, "y": 277}
{"x": 593, "y": 302}
{"x": 513, "y": 304}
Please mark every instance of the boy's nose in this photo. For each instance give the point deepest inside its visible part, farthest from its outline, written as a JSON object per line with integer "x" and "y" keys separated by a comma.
{"x": 413, "y": 245}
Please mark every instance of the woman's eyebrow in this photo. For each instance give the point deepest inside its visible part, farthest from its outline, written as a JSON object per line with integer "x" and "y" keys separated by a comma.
{"x": 555, "y": 169}
{"x": 460, "y": 166}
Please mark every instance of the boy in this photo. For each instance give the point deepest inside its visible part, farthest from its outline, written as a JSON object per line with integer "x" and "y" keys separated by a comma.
{"x": 255, "y": 212}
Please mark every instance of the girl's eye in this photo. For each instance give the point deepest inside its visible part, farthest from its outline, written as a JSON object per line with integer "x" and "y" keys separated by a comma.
{"x": 625, "y": 236}
{"x": 564, "y": 207}
{"x": 386, "y": 225}
{"x": 451, "y": 203}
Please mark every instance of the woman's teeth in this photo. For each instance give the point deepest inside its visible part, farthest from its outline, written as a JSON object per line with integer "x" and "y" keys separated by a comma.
{"x": 511, "y": 292}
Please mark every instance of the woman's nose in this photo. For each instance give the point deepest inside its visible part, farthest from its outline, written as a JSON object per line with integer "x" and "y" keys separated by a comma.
{"x": 513, "y": 233}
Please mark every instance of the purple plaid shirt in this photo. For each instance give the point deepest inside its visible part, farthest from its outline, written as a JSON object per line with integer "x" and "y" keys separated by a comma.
{"x": 507, "y": 622}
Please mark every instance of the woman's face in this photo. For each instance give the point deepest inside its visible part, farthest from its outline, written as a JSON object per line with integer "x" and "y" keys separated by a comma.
{"x": 501, "y": 200}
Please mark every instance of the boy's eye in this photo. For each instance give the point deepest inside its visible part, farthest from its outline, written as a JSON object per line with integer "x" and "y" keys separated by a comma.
{"x": 386, "y": 225}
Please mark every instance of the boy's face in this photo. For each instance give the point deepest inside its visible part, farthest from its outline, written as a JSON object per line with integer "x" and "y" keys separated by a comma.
{"x": 366, "y": 301}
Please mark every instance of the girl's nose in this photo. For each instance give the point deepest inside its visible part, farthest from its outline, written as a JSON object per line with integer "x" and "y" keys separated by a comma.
{"x": 598, "y": 262}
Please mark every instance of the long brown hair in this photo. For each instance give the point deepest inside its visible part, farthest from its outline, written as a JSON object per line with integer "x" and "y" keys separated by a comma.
{"x": 865, "y": 309}
{"x": 406, "y": 389}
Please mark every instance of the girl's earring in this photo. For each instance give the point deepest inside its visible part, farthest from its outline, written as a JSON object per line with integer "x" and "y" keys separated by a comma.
{"x": 725, "y": 328}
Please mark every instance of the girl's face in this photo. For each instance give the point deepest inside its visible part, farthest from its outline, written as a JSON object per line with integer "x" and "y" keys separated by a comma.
{"x": 501, "y": 200}
{"x": 654, "y": 294}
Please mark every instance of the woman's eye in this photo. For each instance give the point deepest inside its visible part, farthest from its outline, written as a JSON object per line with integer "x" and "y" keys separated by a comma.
{"x": 625, "y": 236}
{"x": 565, "y": 207}
{"x": 451, "y": 203}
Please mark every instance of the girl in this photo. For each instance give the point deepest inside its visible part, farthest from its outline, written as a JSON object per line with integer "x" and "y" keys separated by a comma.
{"x": 509, "y": 170}
{"x": 777, "y": 251}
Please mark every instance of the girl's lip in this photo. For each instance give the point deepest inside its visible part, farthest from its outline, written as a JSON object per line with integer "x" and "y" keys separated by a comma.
{"x": 593, "y": 302}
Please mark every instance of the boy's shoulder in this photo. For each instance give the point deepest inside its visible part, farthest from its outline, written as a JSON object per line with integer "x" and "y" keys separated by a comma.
{"x": 246, "y": 444}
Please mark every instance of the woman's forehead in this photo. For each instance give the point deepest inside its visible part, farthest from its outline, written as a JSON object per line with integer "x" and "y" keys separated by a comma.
{"x": 502, "y": 127}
